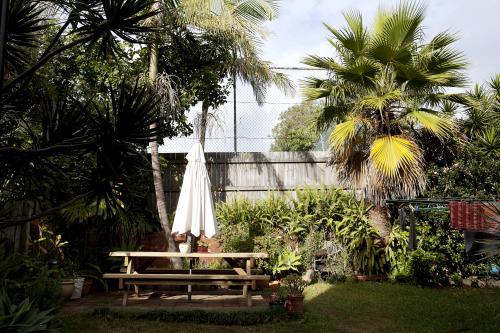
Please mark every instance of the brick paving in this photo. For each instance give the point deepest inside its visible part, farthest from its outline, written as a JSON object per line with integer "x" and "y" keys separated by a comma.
{"x": 163, "y": 300}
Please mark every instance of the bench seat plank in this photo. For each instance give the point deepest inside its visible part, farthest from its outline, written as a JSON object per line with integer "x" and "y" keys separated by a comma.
{"x": 185, "y": 283}
{"x": 239, "y": 255}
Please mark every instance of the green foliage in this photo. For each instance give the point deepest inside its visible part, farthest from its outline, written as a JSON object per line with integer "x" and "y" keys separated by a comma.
{"x": 73, "y": 125}
{"x": 23, "y": 317}
{"x": 291, "y": 230}
{"x": 397, "y": 251}
{"x": 470, "y": 176}
{"x": 294, "y": 284}
{"x": 435, "y": 235}
{"x": 197, "y": 63}
{"x": 363, "y": 242}
{"x": 427, "y": 269}
{"x": 296, "y": 129}
{"x": 287, "y": 261}
{"x": 385, "y": 82}
{"x": 29, "y": 276}
{"x": 223, "y": 318}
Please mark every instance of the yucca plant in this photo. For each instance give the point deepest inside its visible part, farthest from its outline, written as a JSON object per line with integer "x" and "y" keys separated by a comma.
{"x": 384, "y": 83}
{"x": 23, "y": 317}
{"x": 481, "y": 106}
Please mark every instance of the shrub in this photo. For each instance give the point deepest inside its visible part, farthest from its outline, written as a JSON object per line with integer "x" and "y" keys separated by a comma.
{"x": 472, "y": 175}
{"x": 30, "y": 277}
{"x": 282, "y": 226}
{"x": 397, "y": 252}
{"x": 294, "y": 284}
{"x": 203, "y": 317}
{"x": 426, "y": 268}
{"x": 24, "y": 316}
{"x": 363, "y": 242}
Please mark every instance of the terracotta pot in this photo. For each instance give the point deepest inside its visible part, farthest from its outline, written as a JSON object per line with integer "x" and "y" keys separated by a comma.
{"x": 87, "y": 286}
{"x": 295, "y": 304}
{"x": 68, "y": 286}
{"x": 202, "y": 249}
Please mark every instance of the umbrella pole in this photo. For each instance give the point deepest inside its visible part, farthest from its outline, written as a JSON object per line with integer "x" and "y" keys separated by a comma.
{"x": 190, "y": 272}
{"x": 191, "y": 240}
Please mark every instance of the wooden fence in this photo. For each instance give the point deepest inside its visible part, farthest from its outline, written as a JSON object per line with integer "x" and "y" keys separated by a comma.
{"x": 252, "y": 174}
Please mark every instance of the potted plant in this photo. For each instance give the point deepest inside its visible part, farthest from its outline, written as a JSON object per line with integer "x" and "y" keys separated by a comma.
{"x": 295, "y": 286}
{"x": 278, "y": 297}
{"x": 185, "y": 247}
{"x": 202, "y": 246}
{"x": 67, "y": 280}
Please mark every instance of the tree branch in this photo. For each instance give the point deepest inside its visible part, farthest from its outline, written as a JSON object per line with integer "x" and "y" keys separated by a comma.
{"x": 44, "y": 60}
{"x": 9, "y": 151}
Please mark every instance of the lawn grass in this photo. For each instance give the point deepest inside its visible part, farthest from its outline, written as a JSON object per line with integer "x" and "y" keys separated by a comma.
{"x": 347, "y": 307}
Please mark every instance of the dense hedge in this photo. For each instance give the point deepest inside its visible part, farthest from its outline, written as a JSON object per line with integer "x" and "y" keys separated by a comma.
{"x": 225, "y": 318}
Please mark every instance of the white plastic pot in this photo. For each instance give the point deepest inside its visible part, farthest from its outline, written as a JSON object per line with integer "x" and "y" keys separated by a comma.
{"x": 184, "y": 247}
{"x": 77, "y": 293}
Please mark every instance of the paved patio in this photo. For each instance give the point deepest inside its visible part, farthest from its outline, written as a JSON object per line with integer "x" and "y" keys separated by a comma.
{"x": 164, "y": 300}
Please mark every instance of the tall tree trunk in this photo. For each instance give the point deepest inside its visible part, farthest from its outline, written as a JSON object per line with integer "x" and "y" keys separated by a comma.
{"x": 155, "y": 163}
{"x": 203, "y": 123}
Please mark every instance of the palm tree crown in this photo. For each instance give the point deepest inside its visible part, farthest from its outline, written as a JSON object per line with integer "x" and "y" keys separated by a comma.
{"x": 384, "y": 84}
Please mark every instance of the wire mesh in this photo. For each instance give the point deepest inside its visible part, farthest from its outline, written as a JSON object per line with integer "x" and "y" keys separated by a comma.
{"x": 254, "y": 123}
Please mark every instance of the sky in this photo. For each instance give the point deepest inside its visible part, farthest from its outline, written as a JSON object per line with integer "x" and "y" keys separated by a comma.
{"x": 299, "y": 31}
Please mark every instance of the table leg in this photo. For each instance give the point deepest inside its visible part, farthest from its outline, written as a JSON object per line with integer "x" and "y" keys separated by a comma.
{"x": 120, "y": 281}
{"x": 249, "y": 272}
{"x": 249, "y": 297}
{"x": 125, "y": 296}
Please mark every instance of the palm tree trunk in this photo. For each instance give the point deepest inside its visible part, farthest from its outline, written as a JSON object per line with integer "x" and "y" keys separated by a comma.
{"x": 203, "y": 123}
{"x": 155, "y": 163}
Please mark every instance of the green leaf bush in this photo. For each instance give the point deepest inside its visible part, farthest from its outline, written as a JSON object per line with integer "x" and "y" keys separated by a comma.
{"x": 292, "y": 228}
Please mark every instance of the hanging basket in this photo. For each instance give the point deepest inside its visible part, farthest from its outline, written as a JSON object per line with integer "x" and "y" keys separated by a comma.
{"x": 474, "y": 216}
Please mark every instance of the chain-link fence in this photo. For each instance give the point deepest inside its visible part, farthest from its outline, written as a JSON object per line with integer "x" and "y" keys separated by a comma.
{"x": 254, "y": 124}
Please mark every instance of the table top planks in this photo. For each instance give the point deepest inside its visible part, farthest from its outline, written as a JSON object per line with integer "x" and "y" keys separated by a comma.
{"x": 185, "y": 276}
{"x": 143, "y": 254}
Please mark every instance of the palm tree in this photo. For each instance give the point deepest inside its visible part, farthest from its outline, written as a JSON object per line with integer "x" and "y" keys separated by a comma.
{"x": 482, "y": 108}
{"x": 385, "y": 83}
{"x": 240, "y": 21}
{"x": 481, "y": 121}
{"x": 240, "y": 24}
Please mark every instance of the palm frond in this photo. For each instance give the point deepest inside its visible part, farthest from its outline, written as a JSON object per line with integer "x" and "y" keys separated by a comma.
{"x": 437, "y": 123}
{"x": 24, "y": 27}
{"x": 392, "y": 154}
{"x": 379, "y": 102}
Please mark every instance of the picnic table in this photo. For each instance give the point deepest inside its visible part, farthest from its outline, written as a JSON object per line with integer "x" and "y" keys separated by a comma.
{"x": 244, "y": 276}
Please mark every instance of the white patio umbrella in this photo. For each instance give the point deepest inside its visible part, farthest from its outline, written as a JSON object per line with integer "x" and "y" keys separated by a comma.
{"x": 195, "y": 210}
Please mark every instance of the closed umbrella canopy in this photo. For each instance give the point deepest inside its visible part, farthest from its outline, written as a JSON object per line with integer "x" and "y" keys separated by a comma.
{"x": 195, "y": 211}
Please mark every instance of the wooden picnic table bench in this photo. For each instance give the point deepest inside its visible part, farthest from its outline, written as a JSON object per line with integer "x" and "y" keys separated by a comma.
{"x": 246, "y": 277}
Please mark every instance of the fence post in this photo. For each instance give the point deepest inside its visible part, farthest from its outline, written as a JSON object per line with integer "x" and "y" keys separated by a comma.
{"x": 234, "y": 113}
{"x": 3, "y": 37}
